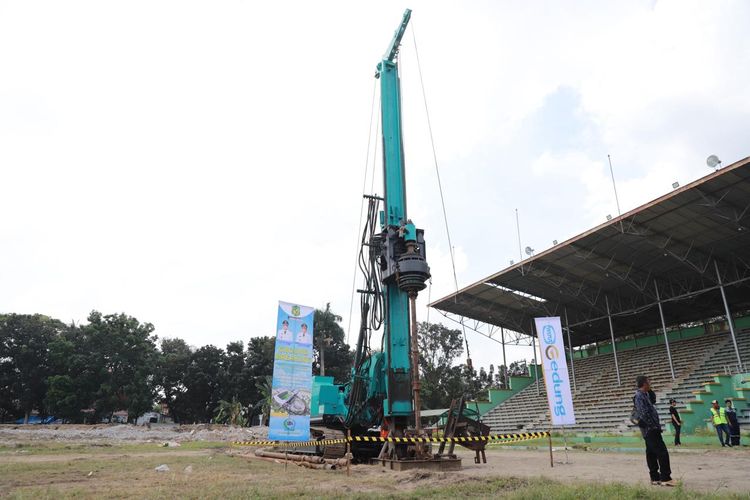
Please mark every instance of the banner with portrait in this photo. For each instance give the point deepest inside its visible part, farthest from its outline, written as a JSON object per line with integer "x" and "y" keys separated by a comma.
{"x": 292, "y": 374}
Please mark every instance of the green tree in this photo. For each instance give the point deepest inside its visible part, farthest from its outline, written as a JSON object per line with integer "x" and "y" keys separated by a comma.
{"x": 473, "y": 386}
{"x": 439, "y": 347}
{"x": 264, "y": 387}
{"x": 501, "y": 377}
{"x": 258, "y": 365}
{"x": 174, "y": 359}
{"x": 239, "y": 384}
{"x": 205, "y": 380}
{"x": 518, "y": 368}
{"x": 24, "y": 362}
{"x": 104, "y": 366}
{"x": 331, "y": 350}
{"x": 230, "y": 412}
{"x": 71, "y": 388}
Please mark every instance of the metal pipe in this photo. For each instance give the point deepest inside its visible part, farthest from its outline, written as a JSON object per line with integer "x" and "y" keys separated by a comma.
{"x": 670, "y": 299}
{"x": 612, "y": 336}
{"x": 313, "y": 459}
{"x": 518, "y": 230}
{"x": 664, "y": 329}
{"x": 729, "y": 317}
{"x": 506, "y": 381}
{"x": 570, "y": 350}
{"x": 415, "y": 385}
{"x": 614, "y": 186}
{"x": 533, "y": 346}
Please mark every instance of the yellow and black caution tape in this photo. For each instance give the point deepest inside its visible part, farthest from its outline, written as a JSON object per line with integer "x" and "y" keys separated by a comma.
{"x": 290, "y": 444}
{"x": 495, "y": 438}
{"x": 461, "y": 439}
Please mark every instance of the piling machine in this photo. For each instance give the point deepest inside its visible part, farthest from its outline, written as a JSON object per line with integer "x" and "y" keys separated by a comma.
{"x": 383, "y": 395}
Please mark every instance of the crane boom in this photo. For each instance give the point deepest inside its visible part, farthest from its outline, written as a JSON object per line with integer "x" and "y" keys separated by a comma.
{"x": 398, "y": 380}
{"x": 384, "y": 388}
{"x": 392, "y": 51}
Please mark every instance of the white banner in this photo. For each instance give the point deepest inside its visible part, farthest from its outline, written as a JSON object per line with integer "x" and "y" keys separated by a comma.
{"x": 555, "y": 369}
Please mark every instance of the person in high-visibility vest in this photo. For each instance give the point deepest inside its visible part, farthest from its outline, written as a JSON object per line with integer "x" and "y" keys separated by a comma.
{"x": 719, "y": 419}
{"x": 384, "y": 430}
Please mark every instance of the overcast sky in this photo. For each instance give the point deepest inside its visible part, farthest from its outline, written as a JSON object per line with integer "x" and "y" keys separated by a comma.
{"x": 192, "y": 163}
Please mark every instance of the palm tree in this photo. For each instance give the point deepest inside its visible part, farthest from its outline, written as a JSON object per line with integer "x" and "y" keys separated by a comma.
{"x": 230, "y": 412}
{"x": 265, "y": 386}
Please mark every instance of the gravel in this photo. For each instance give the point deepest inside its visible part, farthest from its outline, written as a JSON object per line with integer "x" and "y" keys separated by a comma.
{"x": 117, "y": 433}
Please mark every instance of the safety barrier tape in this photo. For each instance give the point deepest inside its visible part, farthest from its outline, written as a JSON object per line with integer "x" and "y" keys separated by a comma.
{"x": 463, "y": 439}
{"x": 290, "y": 444}
{"x": 495, "y": 438}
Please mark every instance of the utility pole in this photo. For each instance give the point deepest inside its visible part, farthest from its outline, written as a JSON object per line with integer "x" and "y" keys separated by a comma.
{"x": 518, "y": 230}
{"x": 614, "y": 186}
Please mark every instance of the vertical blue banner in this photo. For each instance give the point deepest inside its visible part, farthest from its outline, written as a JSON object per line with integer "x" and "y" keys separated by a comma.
{"x": 292, "y": 374}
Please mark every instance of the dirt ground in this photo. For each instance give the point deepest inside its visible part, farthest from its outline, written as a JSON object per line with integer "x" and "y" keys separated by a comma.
{"x": 77, "y": 461}
{"x": 720, "y": 470}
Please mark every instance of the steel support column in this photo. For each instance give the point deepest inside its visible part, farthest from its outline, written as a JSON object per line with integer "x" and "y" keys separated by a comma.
{"x": 664, "y": 329}
{"x": 536, "y": 366}
{"x": 506, "y": 380}
{"x": 570, "y": 350}
{"x": 729, "y": 316}
{"x": 612, "y": 336}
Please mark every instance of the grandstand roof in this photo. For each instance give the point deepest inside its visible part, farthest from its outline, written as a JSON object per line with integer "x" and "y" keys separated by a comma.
{"x": 675, "y": 243}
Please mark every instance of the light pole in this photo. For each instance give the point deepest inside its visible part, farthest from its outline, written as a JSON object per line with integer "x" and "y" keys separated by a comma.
{"x": 614, "y": 185}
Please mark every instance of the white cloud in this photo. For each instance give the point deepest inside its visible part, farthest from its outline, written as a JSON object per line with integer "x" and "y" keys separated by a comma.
{"x": 191, "y": 163}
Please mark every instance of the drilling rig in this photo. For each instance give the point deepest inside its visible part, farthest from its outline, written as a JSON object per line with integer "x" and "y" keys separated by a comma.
{"x": 383, "y": 395}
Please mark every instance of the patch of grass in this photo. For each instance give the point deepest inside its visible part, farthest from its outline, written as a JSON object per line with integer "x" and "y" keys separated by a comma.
{"x": 203, "y": 470}
{"x": 515, "y": 488}
{"x": 62, "y": 448}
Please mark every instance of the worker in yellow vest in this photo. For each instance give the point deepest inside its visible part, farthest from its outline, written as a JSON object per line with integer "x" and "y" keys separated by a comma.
{"x": 719, "y": 419}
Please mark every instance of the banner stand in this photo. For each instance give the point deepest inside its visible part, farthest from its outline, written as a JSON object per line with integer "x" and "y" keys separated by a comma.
{"x": 555, "y": 371}
{"x": 549, "y": 437}
{"x": 348, "y": 450}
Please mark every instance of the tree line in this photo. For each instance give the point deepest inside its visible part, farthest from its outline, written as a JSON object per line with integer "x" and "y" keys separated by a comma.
{"x": 443, "y": 379}
{"x": 87, "y": 372}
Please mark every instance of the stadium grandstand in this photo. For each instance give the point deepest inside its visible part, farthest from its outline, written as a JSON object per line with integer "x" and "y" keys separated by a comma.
{"x": 663, "y": 289}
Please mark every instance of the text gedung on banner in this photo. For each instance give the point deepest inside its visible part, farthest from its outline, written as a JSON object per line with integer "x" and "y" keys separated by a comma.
{"x": 292, "y": 374}
{"x": 555, "y": 369}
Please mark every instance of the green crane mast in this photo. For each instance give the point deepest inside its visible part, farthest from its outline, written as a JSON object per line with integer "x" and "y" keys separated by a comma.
{"x": 384, "y": 389}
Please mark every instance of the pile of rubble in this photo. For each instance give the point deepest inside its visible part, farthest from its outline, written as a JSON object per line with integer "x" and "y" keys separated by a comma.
{"x": 117, "y": 433}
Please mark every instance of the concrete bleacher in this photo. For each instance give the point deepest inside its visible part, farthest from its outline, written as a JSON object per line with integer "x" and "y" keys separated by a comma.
{"x": 601, "y": 405}
{"x": 722, "y": 360}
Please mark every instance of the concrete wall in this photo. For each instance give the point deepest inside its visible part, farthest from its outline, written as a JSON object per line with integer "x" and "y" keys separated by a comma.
{"x": 658, "y": 338}
{"x": 517, "y": 384}
{"x": 721, "y": 387}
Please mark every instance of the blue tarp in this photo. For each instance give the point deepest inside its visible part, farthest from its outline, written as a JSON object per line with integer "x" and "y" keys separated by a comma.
{"x": 36, "y": 419}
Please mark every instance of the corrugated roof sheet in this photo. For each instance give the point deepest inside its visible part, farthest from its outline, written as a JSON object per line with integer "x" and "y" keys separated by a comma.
{"x": 674, "y": 242}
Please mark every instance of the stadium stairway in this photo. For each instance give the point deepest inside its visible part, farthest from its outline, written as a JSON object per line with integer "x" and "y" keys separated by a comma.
{"x": 722, "y": 360}
{"x": 601, "y": 405}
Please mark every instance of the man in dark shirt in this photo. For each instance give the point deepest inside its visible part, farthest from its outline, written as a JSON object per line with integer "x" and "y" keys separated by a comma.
{"x": 657, "y": 456}
{"x": 676, "y": 422}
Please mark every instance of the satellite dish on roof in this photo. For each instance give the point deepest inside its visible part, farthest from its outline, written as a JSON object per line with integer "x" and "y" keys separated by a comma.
{"x": 712, "y": 161}
{"x": 529, "y": 251}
